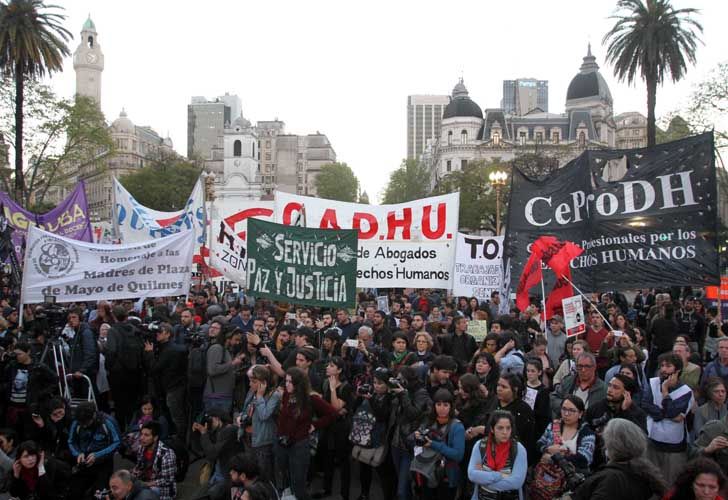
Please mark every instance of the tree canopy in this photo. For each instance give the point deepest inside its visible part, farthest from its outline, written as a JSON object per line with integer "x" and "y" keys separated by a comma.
{"x": 411, "y": 181}
{"x": 164, "y": 186}
{"x": 337, "y": 181}
{"x": 652, "y": 40}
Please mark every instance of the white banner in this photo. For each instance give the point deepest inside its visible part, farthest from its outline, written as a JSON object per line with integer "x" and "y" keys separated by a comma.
{"x": 478, "y": 266}
{"x": 406, "y": 245}
{"x": 573, "y": 315}
{"x": 137, "y": 223}
{"x": 228, "y": 253}
{"x": 73, "y": 270}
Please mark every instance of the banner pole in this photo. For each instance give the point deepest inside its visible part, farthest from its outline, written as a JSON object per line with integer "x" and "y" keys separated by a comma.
{"x": 590, "y": 302}
{"x": 543, "y": 302}
{"x": 114, "y": 218}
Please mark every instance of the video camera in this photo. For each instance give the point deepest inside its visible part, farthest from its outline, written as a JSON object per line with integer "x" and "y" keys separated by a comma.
{"x": 50, "y": 318}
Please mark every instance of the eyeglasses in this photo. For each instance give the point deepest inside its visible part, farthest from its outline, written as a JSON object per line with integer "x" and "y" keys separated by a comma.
{"x": 584, "y": 367}
{"x": 569, "y": 411}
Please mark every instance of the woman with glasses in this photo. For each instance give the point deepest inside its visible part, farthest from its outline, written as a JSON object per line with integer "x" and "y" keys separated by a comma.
{"x": 571, "y": 438}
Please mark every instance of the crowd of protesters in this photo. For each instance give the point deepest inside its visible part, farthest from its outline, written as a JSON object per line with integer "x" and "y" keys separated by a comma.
{"x": 279, "y": 400}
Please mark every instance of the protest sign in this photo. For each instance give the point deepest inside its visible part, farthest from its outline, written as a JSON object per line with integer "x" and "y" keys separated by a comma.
{"x": 406, "y": 245}
{"x": 315, "y": 267}
{"x": 644, "y": 217}
{"x": 137, "y": 223}
{"x": 478, "y": 328}
{"x": 573, "y": 315}
{"x": 69, "y": 218}
{"x": 228, "y": 253}
{"x": 383, "y": 303}
{"x": 73, "y": 270}
{"x": 478, "y": 266}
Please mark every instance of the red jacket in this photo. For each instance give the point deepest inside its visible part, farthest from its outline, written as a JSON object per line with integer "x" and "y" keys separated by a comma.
{"x": 296, "y": 426}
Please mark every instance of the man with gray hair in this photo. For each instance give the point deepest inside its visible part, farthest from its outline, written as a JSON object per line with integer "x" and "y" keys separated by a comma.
{"x": 627, "y": 475}
{"x": 123, "y": 486}
{"x": 584, "y": 383}
{"x": 365, "y": 353}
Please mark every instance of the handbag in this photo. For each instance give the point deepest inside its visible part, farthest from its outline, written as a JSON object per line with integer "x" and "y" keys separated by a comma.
{"x": 205, "y": 473}
{"x": 548, "y": 481}
{"x": 373, "y": 457}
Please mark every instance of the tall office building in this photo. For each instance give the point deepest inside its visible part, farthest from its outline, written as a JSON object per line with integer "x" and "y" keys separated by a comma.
{"x": 424, "y": 114}
{"x": 206, "y": 122}
{"x": 525, "y": 94}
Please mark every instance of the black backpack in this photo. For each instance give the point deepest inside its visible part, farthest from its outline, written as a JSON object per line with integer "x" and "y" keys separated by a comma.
{"x": 197, "y": 366}
{"x": 129, "y": 357}
{"x": 182, "y": 457}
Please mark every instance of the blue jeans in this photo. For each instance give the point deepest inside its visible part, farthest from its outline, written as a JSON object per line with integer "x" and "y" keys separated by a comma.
{"x": 292, "y": 464}
{"x": 402, "y": 460}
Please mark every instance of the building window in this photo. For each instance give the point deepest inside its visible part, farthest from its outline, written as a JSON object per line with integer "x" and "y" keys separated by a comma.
{"x": 463, "y": 164}
{"x": 267, "y": 156}
{"x": 449, "y": 138}
{"x": 555, "y": 137}
{"x": 522, "y": 138}
{"x": 496, "y": 138}
{"x": 582, "y": 139}
{"x": 237, "y": 148}
{"x": 449, "y": 166}
{"x": 464, "y": 137}
{"x": 267, "y": 144}
{"x": 539, "y": 137}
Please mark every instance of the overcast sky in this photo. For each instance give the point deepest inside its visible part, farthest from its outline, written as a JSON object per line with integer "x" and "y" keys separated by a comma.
{"x": 346, "y": 68}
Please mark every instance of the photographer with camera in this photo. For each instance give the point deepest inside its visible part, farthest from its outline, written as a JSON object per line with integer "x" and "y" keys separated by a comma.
{"x": 124, "y": 354}
{"x": 218, "y": 438}
{"x": 93, "y": 440}
{"x": 257, "y": 419}
{"x": 221, "y": 369}
{"x": 167, "y": 366}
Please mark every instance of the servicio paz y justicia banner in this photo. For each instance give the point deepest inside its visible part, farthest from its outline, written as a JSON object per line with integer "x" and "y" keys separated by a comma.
{"x": 74, "y": 270}
{"x": 405, "y": 245}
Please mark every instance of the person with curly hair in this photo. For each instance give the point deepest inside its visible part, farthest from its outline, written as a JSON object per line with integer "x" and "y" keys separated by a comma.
{"x": 701, "y": 479}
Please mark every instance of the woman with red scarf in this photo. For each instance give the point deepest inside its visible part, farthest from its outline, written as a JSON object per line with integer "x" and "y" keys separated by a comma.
{"x": 498, "y": 463}
{"x": 32, "y": 476}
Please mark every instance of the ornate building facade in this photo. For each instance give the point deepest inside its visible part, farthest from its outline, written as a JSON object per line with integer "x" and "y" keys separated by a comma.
{"x": 468, "y": 133}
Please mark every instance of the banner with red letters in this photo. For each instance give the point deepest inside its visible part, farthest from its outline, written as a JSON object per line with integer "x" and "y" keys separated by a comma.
{"x": 405, "y": 245}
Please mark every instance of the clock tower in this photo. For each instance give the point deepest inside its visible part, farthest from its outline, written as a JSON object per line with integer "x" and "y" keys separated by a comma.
{"x": 88, "y": 61}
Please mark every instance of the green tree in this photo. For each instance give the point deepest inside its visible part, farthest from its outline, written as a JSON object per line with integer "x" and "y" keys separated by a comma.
{"x": 32, "y": 43}
{"x": 165, "y": 185}
{"x": 677, "y": 128}
{"x": 337, "y": 181}
{"x": 709, "y": 105}
{"x": 61, "y": 136}
{"x": 477, "y": 196}
{"x": 411, "y": 181}
{"x": 651, "y": 40}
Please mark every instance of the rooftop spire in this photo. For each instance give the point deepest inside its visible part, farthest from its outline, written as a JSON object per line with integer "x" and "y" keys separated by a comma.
{"x": 590, "y": 62}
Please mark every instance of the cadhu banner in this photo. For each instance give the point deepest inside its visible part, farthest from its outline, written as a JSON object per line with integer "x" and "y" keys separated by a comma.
{"x": 137, "y": 223}
{"x": 405, "y": 245}
{"x": 316, "y": 267}
{"x": 73, "y": 270}
{"x": 478, "y": 266}
{"x": 69, "y": 218}
{"x": 644, "y": 217}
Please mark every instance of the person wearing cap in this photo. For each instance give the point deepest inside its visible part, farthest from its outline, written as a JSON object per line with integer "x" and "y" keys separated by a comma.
{"x": 556, "y": 338}
{"x": 11, "y": 316}
{"x": 618, "y": 404}
{"x": 443, "y": 434}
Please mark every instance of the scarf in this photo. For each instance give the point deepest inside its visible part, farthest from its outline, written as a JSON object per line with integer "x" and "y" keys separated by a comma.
{"x": 398, "y": 357}
{"x": 443, "y": 420}
{"x": 497, "y": 459}
{"x": 29, "y": 477}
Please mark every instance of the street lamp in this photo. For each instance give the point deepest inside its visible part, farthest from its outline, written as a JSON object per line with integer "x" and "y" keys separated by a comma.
{"x": 497, "y": 179}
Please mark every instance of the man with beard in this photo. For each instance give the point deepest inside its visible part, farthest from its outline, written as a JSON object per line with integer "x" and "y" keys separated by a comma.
{"x": 323, "y": 325}
{"x": 382, "y": 333}
{"x": 244, "y": 473}
{"x": 395, "y": 314}
{"x": 667, "y": 402}
{"x": 349, "y": 329}
{"x": 186, "y": 326}
{"x": 691, "y": 324}
{"x": 618, "y": 404}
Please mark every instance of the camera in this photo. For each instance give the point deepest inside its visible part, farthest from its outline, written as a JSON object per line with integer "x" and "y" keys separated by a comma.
{"x": 284, "y": 442}
{"x": 425, "y": 434}
{"x": 102, "y": 494}
{"x": 397, "y": 382}
{"x": 364, "y": 390}
{"x": 573, "y": 477}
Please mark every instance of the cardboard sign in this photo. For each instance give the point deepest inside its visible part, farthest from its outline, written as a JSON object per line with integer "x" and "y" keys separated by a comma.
{"x": 573, "y": 316}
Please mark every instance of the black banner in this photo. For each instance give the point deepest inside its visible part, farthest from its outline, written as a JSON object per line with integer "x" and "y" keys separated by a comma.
{"x": 645, "y": 217}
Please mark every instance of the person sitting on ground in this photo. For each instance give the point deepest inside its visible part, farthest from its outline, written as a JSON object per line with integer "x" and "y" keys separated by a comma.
{"x": 123, "y": 486}
{"x": 156, "y": 464}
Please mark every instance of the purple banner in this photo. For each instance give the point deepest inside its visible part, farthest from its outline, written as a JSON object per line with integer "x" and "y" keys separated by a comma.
{"x": 69, "y": 218}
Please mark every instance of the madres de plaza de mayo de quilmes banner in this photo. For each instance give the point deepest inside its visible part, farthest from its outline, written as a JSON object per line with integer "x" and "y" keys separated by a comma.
{"x": 404, "y": 245}
{"x": 644, "y": 217}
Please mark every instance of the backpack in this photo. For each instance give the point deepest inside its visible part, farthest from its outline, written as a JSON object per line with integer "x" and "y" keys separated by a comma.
{"x": 197, "y": 366}
{"x": 362, "y": 427}
{"x": 182, "y": 457}
{"x": 130, "y": 355}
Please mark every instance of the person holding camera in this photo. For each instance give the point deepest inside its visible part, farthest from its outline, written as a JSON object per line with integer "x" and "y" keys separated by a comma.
{"x": 334, "y": 444}
{"x": 93, "y": 439}
{"x": 218, "y": 439}
{"x": 412, "y": 404}
{"x": 221, "y": 369}
{"x": 257, "y": 419}
{"x": 167, "y": 366}
{"x": 498, "y": 462}
{"x": 123, "y": 486}
{"x": 443, "y": 434}
{"x": 296, "y": 422}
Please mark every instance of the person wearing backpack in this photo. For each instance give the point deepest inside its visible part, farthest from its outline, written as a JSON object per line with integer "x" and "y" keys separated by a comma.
{"x": 84, "y": 355}
{"x": 156, "y": 464}
{"x": 441, "y": 441}
{"x": 498, "y": 462}
{"x": 124, "y": 355}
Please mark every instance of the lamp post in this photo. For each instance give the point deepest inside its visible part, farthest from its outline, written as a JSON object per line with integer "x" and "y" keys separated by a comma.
{"x": 497, "y": 180}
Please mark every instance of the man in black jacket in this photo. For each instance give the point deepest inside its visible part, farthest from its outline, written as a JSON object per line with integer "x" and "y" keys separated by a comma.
{"x": 168, "y": 368}
{"x": 460, "y": 344}
{"x": 84, "y": 353}
{"x": 124, "y": 353}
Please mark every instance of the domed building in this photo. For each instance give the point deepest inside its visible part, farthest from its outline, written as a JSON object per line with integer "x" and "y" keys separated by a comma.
{"x": 469, "y": 134}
